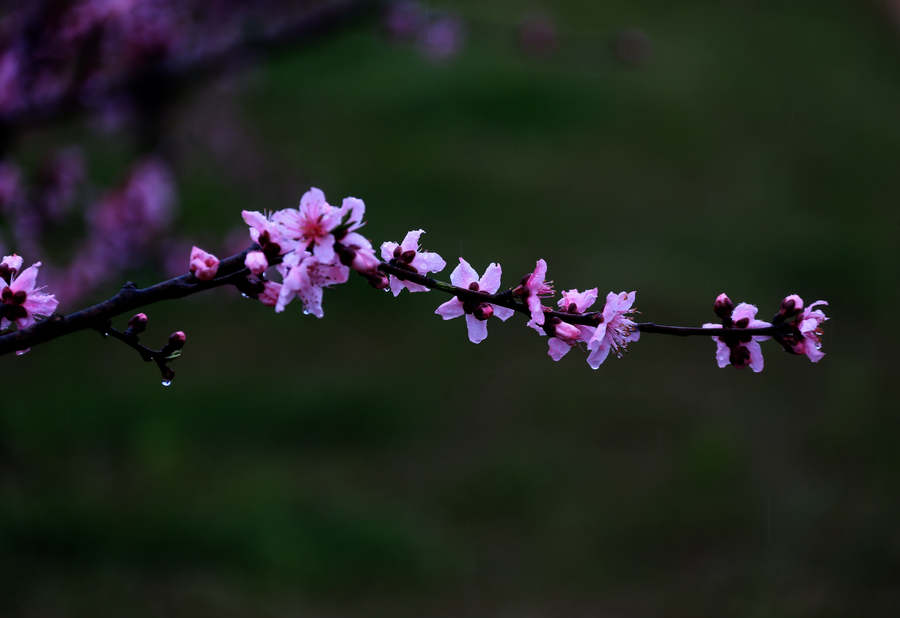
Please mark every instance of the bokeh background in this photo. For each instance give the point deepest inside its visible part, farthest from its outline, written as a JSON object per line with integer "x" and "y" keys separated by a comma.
{"x": 376, "y": 463}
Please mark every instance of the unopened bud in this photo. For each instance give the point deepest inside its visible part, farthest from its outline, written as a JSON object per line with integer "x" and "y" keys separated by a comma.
{"x": 483, "y": 311}
{"x": 378, "y": 280}
{"x": 175, "y": 343}
{"x": 365, "y": 261}
{"x": 566, "y": 332}
{"x": 257, "y": 263}
{"x": 137, "y": 324}
{"x": 723, "y": 307}
{"x": 790, "y": 307}
{"x": 203, "y": 265}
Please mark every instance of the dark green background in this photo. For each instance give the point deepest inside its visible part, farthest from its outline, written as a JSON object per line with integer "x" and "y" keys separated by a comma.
{"x": 376, "y": 463}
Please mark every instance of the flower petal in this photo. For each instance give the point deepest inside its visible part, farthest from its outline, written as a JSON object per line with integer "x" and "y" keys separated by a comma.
{"x": 490, "y": 281}
{"x": 463, "y": 275}
{"x": 453, "y": 308}
{"x": 477, "y": 329}
{"x": 558, "y": 348}
{"x": 503, "y": 313}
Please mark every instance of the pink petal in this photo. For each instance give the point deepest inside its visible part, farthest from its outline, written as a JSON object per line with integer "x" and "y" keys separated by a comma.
{"x": 598, "y": 355}
{"x": 453, "y": 308}
{"x": 477, "y": 329}
{"x": 356, "y": 208}
{"x": 463, "y": 275}
{"x": 415, "y": 287}
{"x": 411, "y": 241}
{"x": 502, "y": 312}
{"x": 587, "y": 332}
{"x": 813, "y": 351}
{"x": 537, "y": 311}
{"x": 744, "y": 310}
{"x": 387, "y": 250}
{"x": 13, "y": 262}
{"x": 397, "y": 286}
{"x": 313, "y": 200}
{"x": 558, "y": 348}
{"x": 428, "y": 262}
{"x": 324, "y": 249}
{"x": 723, "y": 353}
{"x": 756, "y": 355}
{"x": 25, "y": 281}
{"x": 40, "y": 304}
{"x": 490, "y": 281}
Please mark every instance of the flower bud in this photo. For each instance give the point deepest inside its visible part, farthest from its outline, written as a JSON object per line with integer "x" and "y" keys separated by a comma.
{"x": 379, "y": 280}
{"x": 137, "y": 324}
{"x": 365, "y": 261}
{"x": 175, "y": 343}
{"x": 790, "y": 307}
{"x": 203, "y": 265}
{"x": 483, "y": 311}
{"x": 567, "y": 332}
{"x": 723, "y": 307}
{"x": 256, "y": 261}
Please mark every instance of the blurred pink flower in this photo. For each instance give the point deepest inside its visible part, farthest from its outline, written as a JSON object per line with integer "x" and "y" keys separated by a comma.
{"x": 464, "y": 276}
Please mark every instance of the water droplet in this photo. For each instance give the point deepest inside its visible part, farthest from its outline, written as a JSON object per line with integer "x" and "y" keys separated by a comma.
{"x": 305, "y": 312}
{"x": 105, "y": 335}
{"x": 22, "y": 352}
{"x": 167, "y": 382}
{"x": 244, "y": 295}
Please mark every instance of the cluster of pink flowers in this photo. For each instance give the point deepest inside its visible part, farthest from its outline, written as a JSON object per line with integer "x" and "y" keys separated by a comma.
{"x": 742, "y": 349}
{"x": 20, "y": 301}
{"x": 313, "y": 247}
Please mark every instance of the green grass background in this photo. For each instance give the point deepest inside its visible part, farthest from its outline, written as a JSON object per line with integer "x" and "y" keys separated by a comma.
{"x": 376, "y": 463}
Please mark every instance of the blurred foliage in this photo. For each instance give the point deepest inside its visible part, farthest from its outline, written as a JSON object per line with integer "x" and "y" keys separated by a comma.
{"x": 376, "y": 463}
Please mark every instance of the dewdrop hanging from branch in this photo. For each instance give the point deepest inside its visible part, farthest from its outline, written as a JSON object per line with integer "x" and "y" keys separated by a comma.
{"x": 317, "y": 245}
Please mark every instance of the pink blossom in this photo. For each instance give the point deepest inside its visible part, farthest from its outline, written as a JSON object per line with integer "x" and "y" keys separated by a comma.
{"x": 407, "y": 256}
{"x": 305, "y": 277}
{"x": 805, "y": 334}
{"x": 533, "y": 288}
{"x": 312, "y": 224}
{"x": 616, "y": 329}
{"x": 203, "y": 265}
{"x": 267, "y": 234}
{"x": 256, "y": 261}
{"x": 564, "y": 335}
{"x": 464, "y": 276}
{"x": 742, "y": 350}
{"x": 20, "y": 302}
